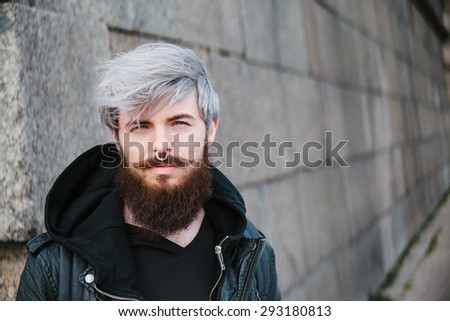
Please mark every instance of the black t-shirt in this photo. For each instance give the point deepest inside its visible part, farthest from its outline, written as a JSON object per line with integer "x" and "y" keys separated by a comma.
{"x": 169, "y": 272}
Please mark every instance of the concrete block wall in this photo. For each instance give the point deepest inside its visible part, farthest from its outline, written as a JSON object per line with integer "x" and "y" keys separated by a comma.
{"x": 370, "y": 72}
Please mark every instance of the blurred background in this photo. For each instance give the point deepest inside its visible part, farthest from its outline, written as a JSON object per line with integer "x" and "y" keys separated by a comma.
{"x": 372, "y": 72}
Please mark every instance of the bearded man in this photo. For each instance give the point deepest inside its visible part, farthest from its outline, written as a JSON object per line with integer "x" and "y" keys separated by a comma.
{"x": 147, "y": 217}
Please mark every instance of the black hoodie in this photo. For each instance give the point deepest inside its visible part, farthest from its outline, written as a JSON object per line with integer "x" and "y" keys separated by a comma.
{"x": 83, "y": 216}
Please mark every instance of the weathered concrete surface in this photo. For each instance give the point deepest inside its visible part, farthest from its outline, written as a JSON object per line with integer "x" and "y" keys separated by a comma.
{"x": 212, "y": 23}
{"x": 244, "y": 115}
{"x": 47, "y": 64}
{"x": 333, "y": 46}
{"x": 275, "y": 33}
{"x": 424, "y": 274}
{"x": 12, "y": 261}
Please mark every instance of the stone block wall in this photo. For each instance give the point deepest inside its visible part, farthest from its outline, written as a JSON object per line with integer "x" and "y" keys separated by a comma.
{"x": 369, "y": 72}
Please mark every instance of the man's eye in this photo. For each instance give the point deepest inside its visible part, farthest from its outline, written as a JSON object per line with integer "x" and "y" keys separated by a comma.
{"x": 180, "y": 123}
{"x": 139, "y": 127}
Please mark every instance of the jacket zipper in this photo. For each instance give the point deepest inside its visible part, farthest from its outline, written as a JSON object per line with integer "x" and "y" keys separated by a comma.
{"x": 252, "y": 269}
{"x": 112, "y": 296}
{"x": 219, "y": 254}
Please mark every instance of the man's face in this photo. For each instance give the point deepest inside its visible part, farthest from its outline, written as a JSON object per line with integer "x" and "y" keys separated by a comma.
{"x": 178, "y": 129}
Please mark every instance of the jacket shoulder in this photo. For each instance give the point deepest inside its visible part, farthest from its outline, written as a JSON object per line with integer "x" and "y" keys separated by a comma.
{"x": 51, "y": 272}
{"x": 37, "y": 243}
{"x": 251, "y": 231}
{"x": 39, "y": 277}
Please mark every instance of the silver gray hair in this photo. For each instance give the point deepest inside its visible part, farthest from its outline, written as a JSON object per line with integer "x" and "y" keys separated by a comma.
{"x": 150, "y": 77}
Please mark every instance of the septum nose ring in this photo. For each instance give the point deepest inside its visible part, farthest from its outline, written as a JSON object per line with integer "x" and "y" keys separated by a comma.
{"x": 162, "y": 159}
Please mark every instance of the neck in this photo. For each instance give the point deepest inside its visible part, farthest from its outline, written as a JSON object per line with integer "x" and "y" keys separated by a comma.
{"x": 181, "y": 238}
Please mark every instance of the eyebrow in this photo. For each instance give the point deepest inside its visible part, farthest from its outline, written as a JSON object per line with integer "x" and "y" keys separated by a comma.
{"x": 179, "y": 116}
{"x": 134, "y": 122}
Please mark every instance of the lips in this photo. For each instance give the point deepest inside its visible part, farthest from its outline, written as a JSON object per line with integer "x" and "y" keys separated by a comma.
{"x": 162, "y": 168}
{"x": 163, "y": 165}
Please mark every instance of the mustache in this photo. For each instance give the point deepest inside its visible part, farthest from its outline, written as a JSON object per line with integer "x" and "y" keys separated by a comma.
{"x": 152, "y": 162}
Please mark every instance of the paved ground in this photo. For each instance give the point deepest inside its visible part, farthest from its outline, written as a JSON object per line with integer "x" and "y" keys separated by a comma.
{"x": 425, "y": 274}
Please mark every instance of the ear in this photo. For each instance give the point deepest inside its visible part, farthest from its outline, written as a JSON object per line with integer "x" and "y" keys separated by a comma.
{"x": 212, "y": 130}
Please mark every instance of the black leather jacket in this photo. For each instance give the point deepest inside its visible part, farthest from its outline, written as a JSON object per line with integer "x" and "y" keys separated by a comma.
{"x": 86, "y": 254}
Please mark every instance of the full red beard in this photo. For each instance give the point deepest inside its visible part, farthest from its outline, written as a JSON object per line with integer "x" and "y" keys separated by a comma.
{"x": 162, "y": 208}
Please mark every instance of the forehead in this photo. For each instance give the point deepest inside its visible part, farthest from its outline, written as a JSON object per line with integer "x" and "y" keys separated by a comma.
{"x": 188, "y": 105}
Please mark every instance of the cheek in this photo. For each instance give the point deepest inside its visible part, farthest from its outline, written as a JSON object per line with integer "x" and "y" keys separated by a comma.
{"x": 190, "y": 146}
{"x": 134, "y": 150}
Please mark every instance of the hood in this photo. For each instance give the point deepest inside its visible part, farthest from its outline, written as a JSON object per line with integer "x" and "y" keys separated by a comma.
{"x": 84, "y": 213}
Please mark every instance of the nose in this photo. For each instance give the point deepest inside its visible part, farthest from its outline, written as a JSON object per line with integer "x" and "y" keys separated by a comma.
{"x": 161, "y": 141}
